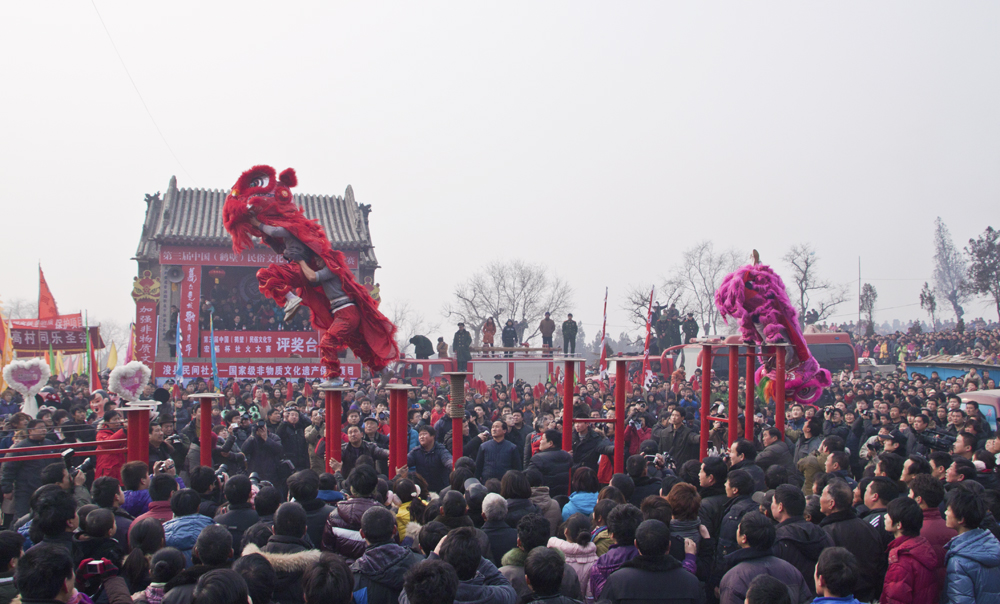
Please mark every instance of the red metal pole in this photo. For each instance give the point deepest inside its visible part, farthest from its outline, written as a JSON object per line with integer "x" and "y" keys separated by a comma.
{"x": 456, "y": 439}
{"x": 142, "y": 438}
{"x": 393, "y": 441}
{"x": 331, "y": 415}
{"x": 706, "y": 395}
{"x": 779, "y": 390}
{"x": 132, "y": 438}
{"x": 568, "y": 407}
{"x": 205, "y": 435}
{"x": 734, "y": 391}
{"x": 621, "y": 376}
{"x": 750, "y": 391}
{"x": 456, "y": 410}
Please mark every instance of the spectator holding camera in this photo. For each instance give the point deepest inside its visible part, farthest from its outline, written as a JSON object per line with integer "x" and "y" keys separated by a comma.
{"x": 263, "y": 451}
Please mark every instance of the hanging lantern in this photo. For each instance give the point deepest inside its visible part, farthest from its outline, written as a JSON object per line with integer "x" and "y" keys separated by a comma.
{"x": 218, "y": 273}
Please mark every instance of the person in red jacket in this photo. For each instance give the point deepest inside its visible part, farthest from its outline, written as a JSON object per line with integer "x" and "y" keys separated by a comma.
{"x": 911, "y": 577}
{"x": 928, "y": 492}
{"x": 111, "y": 429}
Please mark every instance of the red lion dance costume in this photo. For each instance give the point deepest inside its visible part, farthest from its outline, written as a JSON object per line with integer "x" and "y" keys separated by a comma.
{"x": 258, "y": 195}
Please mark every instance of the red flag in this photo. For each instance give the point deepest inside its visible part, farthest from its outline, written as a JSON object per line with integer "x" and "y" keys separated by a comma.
{"x": 603, "y": 365}
{"x": 307, "y": 390}
{"x": 46, "y": 303}
{"x": 289, "y": 393}
{"x": 95, "y": 380}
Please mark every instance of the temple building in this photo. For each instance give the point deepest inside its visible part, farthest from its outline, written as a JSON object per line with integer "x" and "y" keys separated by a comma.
{"x": 189, "y": 281}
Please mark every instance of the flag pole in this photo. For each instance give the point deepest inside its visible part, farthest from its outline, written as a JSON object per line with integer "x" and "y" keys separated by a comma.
{"x": 645, "y": 353}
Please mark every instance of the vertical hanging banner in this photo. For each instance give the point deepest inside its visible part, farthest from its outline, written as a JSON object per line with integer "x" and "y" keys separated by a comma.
{"x": 146, "y": 293}
{"x": 190, "y": 304}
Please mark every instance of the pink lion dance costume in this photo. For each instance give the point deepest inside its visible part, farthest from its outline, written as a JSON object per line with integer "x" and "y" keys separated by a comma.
{"x": 755, "y": 295}
{"x": 354, "y": 321}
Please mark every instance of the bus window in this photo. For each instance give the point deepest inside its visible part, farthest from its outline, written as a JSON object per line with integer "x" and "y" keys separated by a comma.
{"x": 834, "y": 357}
{"x": 990, "y": 413}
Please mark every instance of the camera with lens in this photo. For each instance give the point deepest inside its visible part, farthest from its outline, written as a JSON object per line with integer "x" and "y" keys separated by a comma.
{"x": 937, "y": 440}
{"x": 86, "y": 466}
{"x": 257, "y": 482}
{"x": 175, "y": 439}
{"x": 221, "y": 471}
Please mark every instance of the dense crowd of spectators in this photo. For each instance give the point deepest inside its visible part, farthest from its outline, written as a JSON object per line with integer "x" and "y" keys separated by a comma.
{"x": 232, "y": 310}
{"x": 886, "y": 490}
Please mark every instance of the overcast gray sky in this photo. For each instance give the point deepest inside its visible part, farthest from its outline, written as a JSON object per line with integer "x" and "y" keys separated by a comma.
{"x": 601, "y": 139}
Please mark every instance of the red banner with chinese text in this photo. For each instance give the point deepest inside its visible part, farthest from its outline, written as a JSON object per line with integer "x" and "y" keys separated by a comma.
{"x": 268, "y": 371}
{"x": 69, "y": 341}
{"x": 145, "y": 332}
{"x": 190, "y": 305}
{"x": 274, "y": 344}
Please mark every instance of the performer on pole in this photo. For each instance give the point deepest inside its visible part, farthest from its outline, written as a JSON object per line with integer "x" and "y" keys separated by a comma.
{"x": 260, "y": 205}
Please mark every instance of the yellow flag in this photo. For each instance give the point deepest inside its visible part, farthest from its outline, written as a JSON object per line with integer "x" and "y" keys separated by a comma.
{"x": 60, "y": 368}
{"x": 112, "y": 357}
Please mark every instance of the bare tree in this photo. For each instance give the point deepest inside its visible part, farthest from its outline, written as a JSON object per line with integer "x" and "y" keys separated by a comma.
{"x": 803, "y": 259}
{"x": 699, "y": 276}
{"x": 869, "y": 296}
{"x": 950, "y": 274}
{"x": 409, "y": 323}
{"x": 984, "y": 265}
{"x": 928, "y": 302}
{"x": 516, "y": 290}
{"x": 636, "y": 302}
{"x": 19, "y": 308}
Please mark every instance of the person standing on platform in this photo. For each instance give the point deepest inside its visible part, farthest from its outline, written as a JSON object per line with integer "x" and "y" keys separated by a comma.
{"x": 569, "y": 329}
{"x": 460, "y": 344}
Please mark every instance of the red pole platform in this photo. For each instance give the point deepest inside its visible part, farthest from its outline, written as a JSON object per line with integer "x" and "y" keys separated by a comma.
{"x": 205, "y": 430}
{"x": 621, "y": 376}
{"x": 734, "y": 391}
{"x": 706, "y": 395}
{"x": 779, "y": 390}
{"x": 138, "y": 432}
{"x": 750, "y": 391}
{"x": 332, "y": 424}
{"x": 398, "y": 430}
{"x": 456, "y": 411}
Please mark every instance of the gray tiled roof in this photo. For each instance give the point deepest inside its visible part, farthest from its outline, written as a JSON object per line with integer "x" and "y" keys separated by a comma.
{"x": 194, "y": 217}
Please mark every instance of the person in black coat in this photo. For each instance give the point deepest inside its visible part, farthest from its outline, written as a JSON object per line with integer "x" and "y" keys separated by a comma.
{"x": 739, "y": 488}
{"x": 19, "y": 479}
{"x": 241, "y": 514}
{"x": 680, "y": 441}
{"x": 742, "y": 455}
{"x": 303, "y": 488}
{"x": 503, "y": 537}
{"x": 589, "y": 445}
{"x": 645, "y": 486}
{"x": 552, "y": 463}
{"x": 422, "y": 347}
{"x": 263, "y": 451}
{"x": 712, "y": 479}
{"x": 431, "y": 460}
{"x": 380, "y": 573}
{"x": 856, "y": 535}
{"x": 292, "y": 433}
{"x": 645, "y": 577}
{"x": 355, "y": 447}
{"x": 797, "y": 541}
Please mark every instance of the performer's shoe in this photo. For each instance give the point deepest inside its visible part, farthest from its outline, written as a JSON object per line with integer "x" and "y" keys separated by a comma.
{"x": 292, "y": 307}
{"x": 385, "y": 375}
{"x": 332, "y": 383}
